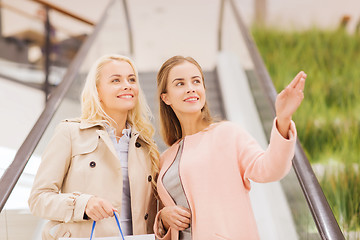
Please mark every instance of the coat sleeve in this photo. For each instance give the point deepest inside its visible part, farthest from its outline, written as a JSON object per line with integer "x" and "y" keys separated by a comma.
{"x": 46, "y": 199}
{"x": 158, "y": 229}
{"x": 270, "y": 165}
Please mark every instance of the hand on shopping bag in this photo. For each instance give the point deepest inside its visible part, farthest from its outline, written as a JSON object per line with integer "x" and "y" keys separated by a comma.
{"x": 176, "y": 217}
{"x": 98, "y": 208}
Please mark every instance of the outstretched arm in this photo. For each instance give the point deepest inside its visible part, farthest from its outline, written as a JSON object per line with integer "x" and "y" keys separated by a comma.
{"x": 288, "y": 101}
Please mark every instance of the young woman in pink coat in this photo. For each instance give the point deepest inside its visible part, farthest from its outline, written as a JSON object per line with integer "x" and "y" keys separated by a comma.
{"x": 204, "y": 176}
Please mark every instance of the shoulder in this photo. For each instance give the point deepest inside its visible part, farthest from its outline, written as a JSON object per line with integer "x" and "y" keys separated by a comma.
{"x": 81, "y": 124}
{"x": 224, "y": 125}
{"x": 68, "y": 125}
{"x": 70, "y": 122}
{"x": 225, "y": 128}
{"x": 78, "y": 127}
{"x": 169, "y": 152}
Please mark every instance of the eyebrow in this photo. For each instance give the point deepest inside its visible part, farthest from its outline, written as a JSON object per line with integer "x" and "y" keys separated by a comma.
{"x": 119, "y": 75}
{"x": 181, "y": 79}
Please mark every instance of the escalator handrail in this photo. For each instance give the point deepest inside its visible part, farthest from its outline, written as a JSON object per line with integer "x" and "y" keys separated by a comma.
{"x": 323, "y": 216}
{"x": 15, "y": 169}
{"x": 128, "y": 26}
{"x": 64, "y": 11}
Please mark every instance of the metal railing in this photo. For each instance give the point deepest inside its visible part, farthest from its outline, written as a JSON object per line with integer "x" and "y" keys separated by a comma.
{"x": 46, "y": 87}
{"x": 14, "y": 171}
{"x": 323, "y": 216}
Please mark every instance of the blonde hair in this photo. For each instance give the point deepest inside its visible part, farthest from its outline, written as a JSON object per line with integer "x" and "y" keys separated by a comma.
{"x": 170, "y": 128}
{"x": 138, "y": 117}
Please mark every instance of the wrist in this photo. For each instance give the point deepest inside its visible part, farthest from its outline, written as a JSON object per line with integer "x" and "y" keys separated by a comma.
{"x": 283, "y": 126}
{"x": 283, "y": 118}
{"x": 163, "y": 223}
{"x": 161, "y": 227}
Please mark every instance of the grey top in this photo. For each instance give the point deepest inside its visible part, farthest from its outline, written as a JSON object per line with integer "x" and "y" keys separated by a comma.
{"x": 122, "y": 148}
{"x": 172, "y": 184}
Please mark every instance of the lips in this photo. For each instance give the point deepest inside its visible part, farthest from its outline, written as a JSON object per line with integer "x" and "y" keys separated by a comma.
{"x": 125, "y": 96}
{"x": 191, "y": 99}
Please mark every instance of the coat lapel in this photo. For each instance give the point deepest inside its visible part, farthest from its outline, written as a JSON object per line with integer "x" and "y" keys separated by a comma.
{"x": 132, "y": 148}
{"x": 101, "y": 132}
{"x": 108, "y": 142}
{"x": 169, "y": 158}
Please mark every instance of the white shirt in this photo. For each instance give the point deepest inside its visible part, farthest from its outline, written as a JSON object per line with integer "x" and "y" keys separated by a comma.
{"x": 121, "y": 149}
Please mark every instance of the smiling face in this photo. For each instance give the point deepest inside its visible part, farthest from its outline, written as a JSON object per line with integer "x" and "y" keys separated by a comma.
{"x": 185, "y": 91}
{"x": 117, "y": 87}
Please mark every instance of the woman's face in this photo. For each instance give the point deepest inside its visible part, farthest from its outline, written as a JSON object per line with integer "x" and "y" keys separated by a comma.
{"x": 117, "y": 88}
{"x": 185, "y": 89}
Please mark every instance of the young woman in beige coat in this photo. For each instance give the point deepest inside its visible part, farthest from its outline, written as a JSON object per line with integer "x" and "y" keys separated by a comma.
{"x": 104, "y": 161}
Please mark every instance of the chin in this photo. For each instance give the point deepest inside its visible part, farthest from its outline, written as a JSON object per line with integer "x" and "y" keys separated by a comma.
{"x": 126, "y": 108}
{"x": 192, "y": 111}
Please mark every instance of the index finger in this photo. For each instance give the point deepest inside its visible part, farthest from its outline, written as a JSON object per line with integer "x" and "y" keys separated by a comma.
{"x": 297, "y": 78}
{"x": 301, "y": 84}
{"x": 107, "y": 207}
{"x": 184, "y": 211}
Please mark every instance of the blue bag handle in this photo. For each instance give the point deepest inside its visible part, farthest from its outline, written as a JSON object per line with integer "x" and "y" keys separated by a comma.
{"x": 117, "y": 222}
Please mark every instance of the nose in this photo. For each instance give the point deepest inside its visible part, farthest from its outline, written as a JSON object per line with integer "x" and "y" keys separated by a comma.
{"x": 127, "y": 86}
{"x": 191, "y": 89}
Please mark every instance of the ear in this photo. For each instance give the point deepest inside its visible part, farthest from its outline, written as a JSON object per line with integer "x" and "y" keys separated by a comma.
{"x": 165, "y": 99}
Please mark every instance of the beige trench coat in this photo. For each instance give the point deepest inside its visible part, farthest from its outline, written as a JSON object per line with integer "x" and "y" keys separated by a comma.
{"x": 79, "y": 162}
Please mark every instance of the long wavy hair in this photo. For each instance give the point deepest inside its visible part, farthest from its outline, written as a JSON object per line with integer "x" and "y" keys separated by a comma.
{"x": 170, "y": 128}
{"x": 138, "y": 117}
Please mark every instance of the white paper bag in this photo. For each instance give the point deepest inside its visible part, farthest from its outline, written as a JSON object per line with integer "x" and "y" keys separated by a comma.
{"x": 135, "y": 237}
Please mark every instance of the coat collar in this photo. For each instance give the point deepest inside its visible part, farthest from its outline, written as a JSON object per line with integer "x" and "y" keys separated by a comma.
{"x": 85, "y": 124}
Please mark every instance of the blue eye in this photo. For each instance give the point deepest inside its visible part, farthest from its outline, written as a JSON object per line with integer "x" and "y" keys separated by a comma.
{"x": 197, "y": 81}
{"x": 116, "y": 80}
{"x": 132, "y": 80}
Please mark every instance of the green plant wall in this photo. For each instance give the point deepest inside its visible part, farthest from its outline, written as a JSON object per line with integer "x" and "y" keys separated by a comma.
{"x": 328, "y": 121}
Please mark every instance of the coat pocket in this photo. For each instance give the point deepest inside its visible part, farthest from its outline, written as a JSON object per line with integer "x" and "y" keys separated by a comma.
{"x": 84, "y": 147}
{"x": 84, "y": 162}
{"x": 63, "y": 231}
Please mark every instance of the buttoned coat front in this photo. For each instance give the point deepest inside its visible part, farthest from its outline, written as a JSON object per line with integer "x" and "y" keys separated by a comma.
{"x": 215, "y": 169}
{"x": 80, "y": 162}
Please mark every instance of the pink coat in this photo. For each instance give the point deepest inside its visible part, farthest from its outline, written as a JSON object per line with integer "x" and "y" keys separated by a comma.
{"x": 215, "y": 167}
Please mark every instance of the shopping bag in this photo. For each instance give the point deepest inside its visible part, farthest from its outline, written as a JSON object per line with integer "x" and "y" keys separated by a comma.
{"x": 121, "y": 237}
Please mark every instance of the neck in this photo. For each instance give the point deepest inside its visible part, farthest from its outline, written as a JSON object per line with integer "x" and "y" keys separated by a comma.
{"x": 192, "y": 124}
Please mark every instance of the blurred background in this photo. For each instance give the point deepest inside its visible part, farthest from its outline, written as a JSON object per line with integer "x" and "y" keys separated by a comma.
{"x": 249, "y": 51}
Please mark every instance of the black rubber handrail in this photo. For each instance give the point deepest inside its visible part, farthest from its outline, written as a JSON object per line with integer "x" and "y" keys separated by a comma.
{"x": 323, "y": 216}
{"x": 14, "y": 171}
